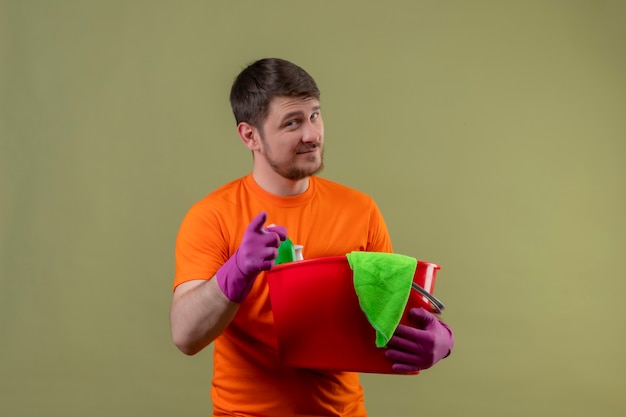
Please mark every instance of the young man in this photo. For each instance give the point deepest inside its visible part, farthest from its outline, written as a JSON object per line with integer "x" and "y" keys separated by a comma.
{"x": 224, "y": 248}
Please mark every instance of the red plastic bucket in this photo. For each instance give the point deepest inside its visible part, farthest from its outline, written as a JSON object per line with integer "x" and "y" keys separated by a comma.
{"x": 318, "y": 321}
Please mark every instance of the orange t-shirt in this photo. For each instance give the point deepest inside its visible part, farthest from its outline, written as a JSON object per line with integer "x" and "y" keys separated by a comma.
{"x": 328, "y": 219}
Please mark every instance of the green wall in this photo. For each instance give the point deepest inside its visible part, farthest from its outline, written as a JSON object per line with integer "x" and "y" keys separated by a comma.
{"x": 491, "y": 133}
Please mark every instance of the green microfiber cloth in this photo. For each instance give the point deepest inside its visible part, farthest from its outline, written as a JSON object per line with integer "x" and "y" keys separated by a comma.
{"x": 382, "y": 282}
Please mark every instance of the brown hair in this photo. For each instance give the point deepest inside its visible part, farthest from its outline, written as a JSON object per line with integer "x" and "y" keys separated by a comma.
{"x": 256, "y": 86}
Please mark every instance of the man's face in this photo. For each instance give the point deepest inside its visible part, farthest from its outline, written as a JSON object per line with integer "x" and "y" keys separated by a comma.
{"x": 292, "y": 137}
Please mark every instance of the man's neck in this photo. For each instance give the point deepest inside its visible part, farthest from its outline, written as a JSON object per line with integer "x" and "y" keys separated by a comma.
{"x": 275, "y": 184}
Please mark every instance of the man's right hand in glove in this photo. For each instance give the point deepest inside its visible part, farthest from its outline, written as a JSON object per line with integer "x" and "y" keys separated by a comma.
{"x": 203, "y": 308}
{"x": 257, "y": 252}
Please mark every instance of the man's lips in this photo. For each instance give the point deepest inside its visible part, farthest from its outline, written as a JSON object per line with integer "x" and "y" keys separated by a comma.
{"x": 306, "y": 151}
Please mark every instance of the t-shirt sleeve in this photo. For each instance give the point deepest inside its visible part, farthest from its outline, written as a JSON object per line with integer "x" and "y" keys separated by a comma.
{"x": 378, "y": 236}
{"x": 201, "y": 245}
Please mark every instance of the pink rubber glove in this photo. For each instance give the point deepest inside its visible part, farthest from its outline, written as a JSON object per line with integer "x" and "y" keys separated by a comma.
{"x": 256, "y": 253}
{"x": 417, "y": 348}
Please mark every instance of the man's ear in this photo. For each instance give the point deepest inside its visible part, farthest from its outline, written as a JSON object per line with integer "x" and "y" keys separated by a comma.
{"x": 249, "y": 135}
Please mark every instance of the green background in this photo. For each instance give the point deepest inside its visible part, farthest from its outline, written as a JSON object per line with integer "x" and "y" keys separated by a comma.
{"x": 491, "y": 133}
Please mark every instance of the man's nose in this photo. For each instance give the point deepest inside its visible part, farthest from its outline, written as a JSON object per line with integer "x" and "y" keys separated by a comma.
{"x": 312, "y": 132}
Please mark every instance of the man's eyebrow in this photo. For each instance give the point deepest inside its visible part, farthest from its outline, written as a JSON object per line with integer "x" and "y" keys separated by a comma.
{"x": 292, "y": 114}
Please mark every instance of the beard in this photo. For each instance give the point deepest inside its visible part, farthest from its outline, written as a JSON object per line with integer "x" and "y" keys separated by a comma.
{"x": 290, "y": 169}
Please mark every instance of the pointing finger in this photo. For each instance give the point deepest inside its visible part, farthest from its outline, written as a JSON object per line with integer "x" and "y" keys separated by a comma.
{"x": 257, "y": 223}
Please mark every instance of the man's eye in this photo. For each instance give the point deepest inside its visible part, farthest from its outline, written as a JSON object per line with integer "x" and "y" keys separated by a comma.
{"x": 315, "y": 116}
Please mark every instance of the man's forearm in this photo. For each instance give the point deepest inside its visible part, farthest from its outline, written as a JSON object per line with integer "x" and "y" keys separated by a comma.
{"x": 199, "y": 313}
